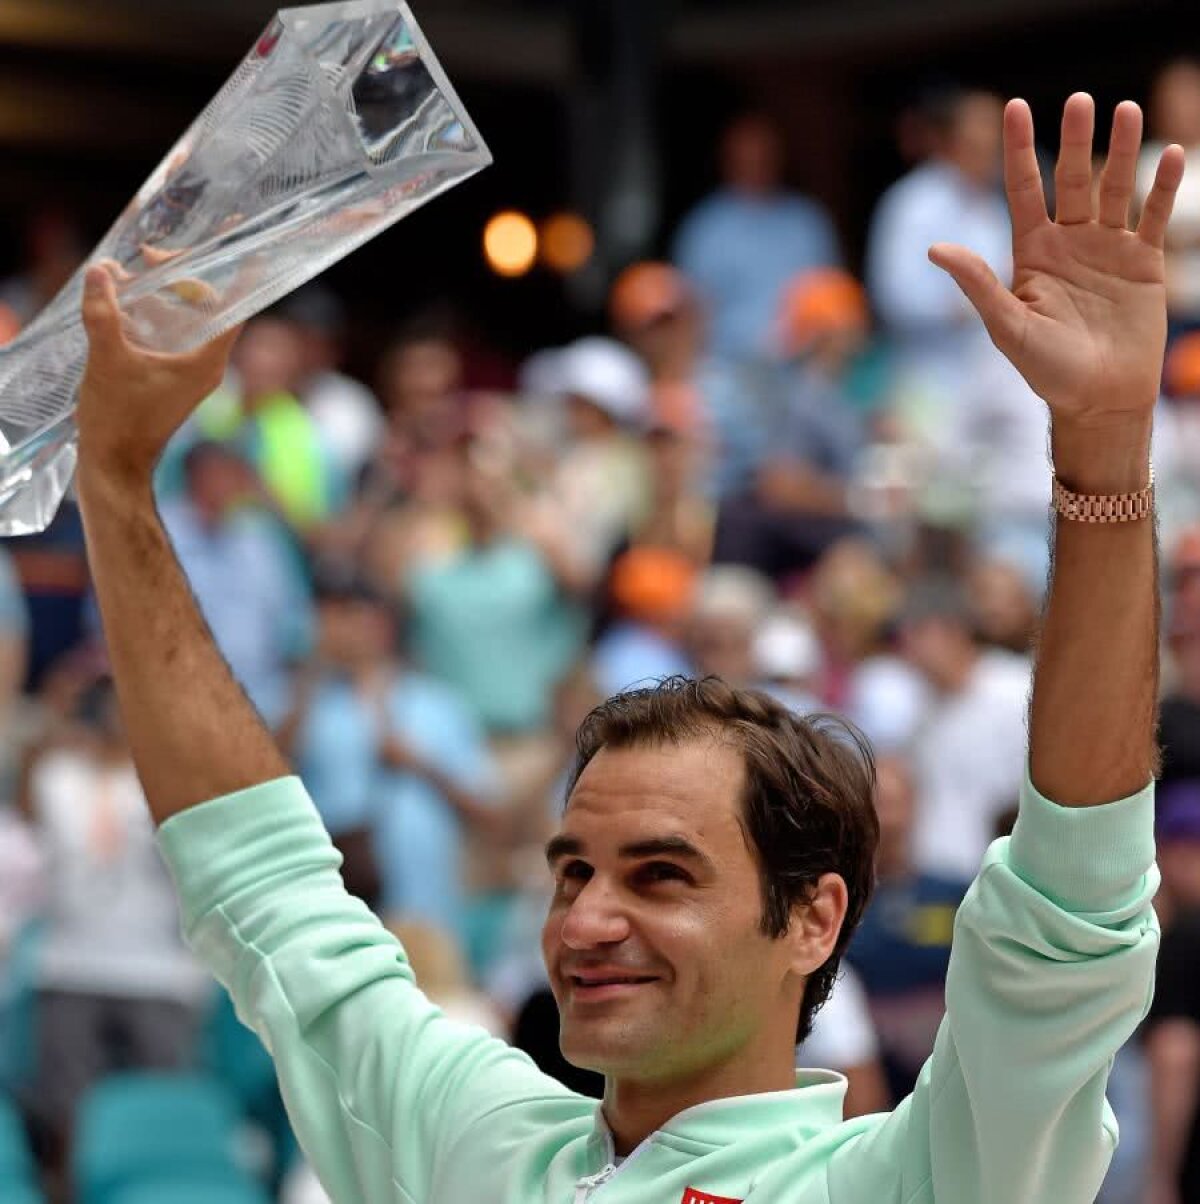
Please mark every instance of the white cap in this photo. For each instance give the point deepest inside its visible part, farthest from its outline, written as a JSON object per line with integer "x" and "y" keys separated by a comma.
{"x": 786, "y": 648}
{"x": 733, "y": 591}
{"x": 604, "y": 372}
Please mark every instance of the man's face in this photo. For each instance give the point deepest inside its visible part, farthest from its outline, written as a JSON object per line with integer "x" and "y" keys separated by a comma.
{"x": 656, "y": 885}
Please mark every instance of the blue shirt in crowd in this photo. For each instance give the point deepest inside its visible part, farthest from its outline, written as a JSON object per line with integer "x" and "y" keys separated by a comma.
{"x": 493, "y": 623}
{"x": 740, "y": 251}
{"x": 256, "y": 603}
{"x": 417, "y": 835}
{"x": 902, "y": 954}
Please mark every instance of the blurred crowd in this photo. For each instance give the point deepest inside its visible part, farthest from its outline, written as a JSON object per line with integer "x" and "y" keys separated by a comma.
{"x": 827, "y": 486}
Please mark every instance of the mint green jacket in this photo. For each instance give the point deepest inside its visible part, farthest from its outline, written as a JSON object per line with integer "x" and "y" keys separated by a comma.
{"x": 393, "y": 1103}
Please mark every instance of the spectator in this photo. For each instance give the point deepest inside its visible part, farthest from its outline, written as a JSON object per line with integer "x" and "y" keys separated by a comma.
{"x": 991, "y": 470}
{"x": 968, "y": 755}
{"x": 952, "y": 196}
{"x": 678, "y": 516}
{"x": 517, "y": 969}
{"x": 279, "y": 436}
{"x": 117, "y": 988}
{"x": 1177, "y": 830}
{"x": 656, "y": 311}
{"x": 902, "y": 949}
{"x": 421, "y": 387}
{"x": 243, "y": 572}
{"x": 787, "y": 660}
{"x": 798, "y": 499}
{"x": 14, "y": 655}
{"x": 1174, "y": 114}
{"x": 1176, "y": 447}
{"x": 53, "y": 251}
{"x": 1179, "y": 713}
{"x": 843, "y": 1039}
{"x": 51, "y": 567}
{"x": 441, "y": 970}
{"x": 1171, "y": 1036}
{"x": 730, "y": 606}
{"x": 495, "y": 616}
{"x": 348, "y": 416}
{"x": 600, "y": 490}
{"x": 854, "y": 597}
{"x": 651, "y": 590}
{"x": 741, "y": 245}
{"x": 392, "y": 754}
{"x": 1004, "y": 610}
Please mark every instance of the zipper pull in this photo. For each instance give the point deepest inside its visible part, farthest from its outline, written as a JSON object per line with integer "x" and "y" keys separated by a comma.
{"x": 587, "y": 1185}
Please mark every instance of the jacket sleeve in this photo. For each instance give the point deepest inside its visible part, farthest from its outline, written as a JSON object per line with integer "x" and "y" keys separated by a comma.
{"x": 1051, "y": 972}
{"x": 378, "y": 1083}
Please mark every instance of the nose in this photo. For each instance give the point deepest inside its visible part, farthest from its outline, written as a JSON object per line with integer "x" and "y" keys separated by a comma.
{"x": 595, "y": 917}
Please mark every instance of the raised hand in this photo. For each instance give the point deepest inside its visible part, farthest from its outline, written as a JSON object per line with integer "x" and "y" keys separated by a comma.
{"x": 1085, "y": 321}
{"x": 131, "y": 401}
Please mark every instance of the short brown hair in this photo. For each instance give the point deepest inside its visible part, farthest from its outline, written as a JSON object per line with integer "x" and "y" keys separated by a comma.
{"x": 808, "y": 807}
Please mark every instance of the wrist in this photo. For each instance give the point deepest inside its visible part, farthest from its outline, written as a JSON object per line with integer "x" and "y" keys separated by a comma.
{"x": 111, "y": 484}
{"x": 1102, "y": 459}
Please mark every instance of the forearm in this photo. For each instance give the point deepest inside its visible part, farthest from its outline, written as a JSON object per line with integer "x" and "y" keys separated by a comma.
{"x": 193, "y": 733}
{"x": 1092, "y": 723}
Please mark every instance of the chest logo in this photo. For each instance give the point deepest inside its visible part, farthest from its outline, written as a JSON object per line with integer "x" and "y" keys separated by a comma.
{"x": 693, "y": 1195}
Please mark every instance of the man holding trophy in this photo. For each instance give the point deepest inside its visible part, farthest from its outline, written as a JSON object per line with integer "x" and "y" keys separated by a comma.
{"x": 680, "y": 945}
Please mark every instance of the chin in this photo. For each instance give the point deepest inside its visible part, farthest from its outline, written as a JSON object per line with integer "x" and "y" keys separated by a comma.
{"x": 607, "y": 1054}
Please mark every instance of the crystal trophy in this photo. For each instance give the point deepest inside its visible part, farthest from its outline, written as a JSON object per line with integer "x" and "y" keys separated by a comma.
{"x": 339, "y": 122}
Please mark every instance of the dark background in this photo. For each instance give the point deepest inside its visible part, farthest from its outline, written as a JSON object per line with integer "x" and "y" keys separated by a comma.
{"x": 93, "y": 92}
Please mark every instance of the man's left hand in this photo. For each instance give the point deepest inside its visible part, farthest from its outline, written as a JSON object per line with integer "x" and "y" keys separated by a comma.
{"x": 1085, "y": 320}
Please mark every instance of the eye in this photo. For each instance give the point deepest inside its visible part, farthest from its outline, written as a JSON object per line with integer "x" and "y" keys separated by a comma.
{"x": 663, "y": 871}
{"x": 579, "y": 870}
{"x": 570, "y": 877}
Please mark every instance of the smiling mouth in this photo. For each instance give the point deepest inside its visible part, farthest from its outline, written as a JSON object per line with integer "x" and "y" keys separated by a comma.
{"x": 580, "y": 983}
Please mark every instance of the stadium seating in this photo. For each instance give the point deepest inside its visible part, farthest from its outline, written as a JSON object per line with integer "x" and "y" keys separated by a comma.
{"x": 17, "y": 1011}
{"x": 192, "y": 1191}
{"x": 18, "y": 1176}
{"x": 135, "y": 1128}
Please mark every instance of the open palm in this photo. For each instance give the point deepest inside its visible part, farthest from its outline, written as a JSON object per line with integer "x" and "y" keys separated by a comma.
{"x": 1085, "y": 321}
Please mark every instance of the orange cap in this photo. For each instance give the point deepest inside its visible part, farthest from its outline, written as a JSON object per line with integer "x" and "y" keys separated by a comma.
{"x": 824, "y": 301}
{"x": 653, "y": 584}
{"x": 645, "y": 293}
{"x": 1181, "y": 378}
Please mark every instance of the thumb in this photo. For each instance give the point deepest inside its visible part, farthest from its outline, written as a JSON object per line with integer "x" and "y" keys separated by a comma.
{"x": 1000, "y": 310}
{"x": 101, "y": 310}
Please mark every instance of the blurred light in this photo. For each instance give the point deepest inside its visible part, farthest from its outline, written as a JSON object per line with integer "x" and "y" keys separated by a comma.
{"x": 510, "y": 243}
{"x": 567, "y": 242}
{"x": 10, "y": 325}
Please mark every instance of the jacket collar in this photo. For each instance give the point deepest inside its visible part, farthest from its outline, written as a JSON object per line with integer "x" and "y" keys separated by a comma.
{"x": 814, "y": 1104}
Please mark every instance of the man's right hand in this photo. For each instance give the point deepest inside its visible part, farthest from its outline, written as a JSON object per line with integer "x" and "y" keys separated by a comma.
{"x": 132, "y": 401}
{"x": 193, "y": 733}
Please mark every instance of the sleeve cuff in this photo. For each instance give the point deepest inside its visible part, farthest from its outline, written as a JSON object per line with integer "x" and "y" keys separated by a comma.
{"x": 217, "y": 849}
{"x": 1085, "y": 859}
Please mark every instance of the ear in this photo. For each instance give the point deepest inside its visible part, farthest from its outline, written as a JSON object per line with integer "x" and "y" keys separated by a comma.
{"x": 815, "y": 925}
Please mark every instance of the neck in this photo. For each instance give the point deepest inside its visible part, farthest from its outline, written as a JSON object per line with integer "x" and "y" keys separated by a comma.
{"x": 634, "y": 1110}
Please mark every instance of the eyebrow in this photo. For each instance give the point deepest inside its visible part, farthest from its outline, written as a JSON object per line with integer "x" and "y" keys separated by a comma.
{"x": 659, "y": 846}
